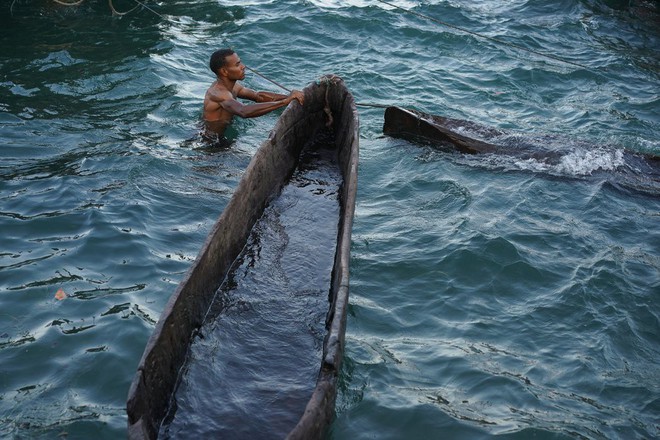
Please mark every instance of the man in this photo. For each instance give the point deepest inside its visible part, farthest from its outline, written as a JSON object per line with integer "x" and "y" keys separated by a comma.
{"x": 220, "y": 104}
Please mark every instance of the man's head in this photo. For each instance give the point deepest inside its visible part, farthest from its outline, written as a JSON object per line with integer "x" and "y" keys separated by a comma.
{"x": 225, "y": 62}
{"x": 219, "y": 59}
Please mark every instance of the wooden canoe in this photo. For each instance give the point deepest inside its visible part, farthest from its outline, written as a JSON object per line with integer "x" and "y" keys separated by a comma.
{"x": 407, "y": 123}
{"x": 155, "y": 381}
{"x": 450, "y": 134}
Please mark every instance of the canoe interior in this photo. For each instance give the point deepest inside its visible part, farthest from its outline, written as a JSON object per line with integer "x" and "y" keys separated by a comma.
{"x": 271, "y": 166}
{"x": 253, "y": 365}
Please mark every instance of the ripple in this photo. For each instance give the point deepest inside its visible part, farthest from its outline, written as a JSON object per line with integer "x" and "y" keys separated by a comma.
{"x": 490, "y": 297}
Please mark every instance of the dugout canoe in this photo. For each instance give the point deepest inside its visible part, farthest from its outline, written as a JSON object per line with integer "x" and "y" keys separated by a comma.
{"x": 327, "y": 101}
{"x": 408, "y": 123}
{"x": 451, "y": 134}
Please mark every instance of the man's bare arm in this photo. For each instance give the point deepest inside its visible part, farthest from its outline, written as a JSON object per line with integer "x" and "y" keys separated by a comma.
{"x": 269, "y": 96}
{"x": 253, "y": 110}
{"x": 261, "y": 96}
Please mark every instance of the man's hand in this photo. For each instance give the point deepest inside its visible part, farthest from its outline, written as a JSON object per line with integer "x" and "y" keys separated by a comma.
{"x": 298, "y": 95}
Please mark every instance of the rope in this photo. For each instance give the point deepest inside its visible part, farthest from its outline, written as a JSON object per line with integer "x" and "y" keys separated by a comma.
{"x": 268, "y": 79}
{"x": 476, "y": 34}
{"x": 366, "y": 104}
{"x": 67, "y": 3}
{"x": 112, "y": 6}
{"x": 116, "y": 12}
{"x": 360, "y": 104}
{"x": 326, "y": 109}
{"x": 147, "y": 7}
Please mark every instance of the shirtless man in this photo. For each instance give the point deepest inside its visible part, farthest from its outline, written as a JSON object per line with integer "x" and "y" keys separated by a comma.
{"x": 220, "y": 104}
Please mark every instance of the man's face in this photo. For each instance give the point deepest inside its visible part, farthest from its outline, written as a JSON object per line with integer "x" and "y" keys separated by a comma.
{"x": 234, "y": 69}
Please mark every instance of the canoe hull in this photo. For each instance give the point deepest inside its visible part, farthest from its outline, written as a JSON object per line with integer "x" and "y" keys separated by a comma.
{"x": 406, "y": 123}
{"x": 269, "y": 169}
{"x": 447, "y": 133}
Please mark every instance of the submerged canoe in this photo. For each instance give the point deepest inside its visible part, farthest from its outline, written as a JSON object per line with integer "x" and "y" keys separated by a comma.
{"x": 452, "y": 134}
{"x": 637, "y": 170}
{"x": 407, "y": 123}
{"x": 327, "y": 101}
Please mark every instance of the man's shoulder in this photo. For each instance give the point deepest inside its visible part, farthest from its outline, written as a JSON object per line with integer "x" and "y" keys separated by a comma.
{"x": 218, "y": 92}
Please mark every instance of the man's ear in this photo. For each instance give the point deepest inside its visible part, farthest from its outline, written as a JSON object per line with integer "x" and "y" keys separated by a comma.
{"x": 222, "y": 71}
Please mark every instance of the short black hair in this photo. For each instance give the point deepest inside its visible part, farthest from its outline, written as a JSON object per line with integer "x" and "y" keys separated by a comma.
{"x": 218, "y": 59}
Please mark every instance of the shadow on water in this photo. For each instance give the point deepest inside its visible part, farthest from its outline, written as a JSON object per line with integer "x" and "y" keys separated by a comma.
{"x": 628, "y": 28}
{"x": 83, "y": 60}
{"x": 207, "y": 141}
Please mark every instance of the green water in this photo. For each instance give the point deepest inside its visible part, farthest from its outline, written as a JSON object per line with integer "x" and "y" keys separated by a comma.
{"x": 490, "y": 296}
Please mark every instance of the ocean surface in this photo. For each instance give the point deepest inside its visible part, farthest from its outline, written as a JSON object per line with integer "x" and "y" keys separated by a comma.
{"x": 492, "y": 296}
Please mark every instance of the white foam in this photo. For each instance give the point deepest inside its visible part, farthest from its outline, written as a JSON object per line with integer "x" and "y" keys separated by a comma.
{"x": 336, "y": 4}
{"x": 584, "y": 162}
{"x": 578, "y": 162}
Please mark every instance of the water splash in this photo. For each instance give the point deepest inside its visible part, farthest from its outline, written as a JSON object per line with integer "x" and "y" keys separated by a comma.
{"x": 578, "y": 162}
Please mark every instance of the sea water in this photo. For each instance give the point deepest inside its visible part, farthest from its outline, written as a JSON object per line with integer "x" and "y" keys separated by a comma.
{"x": 491, "y": 296}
